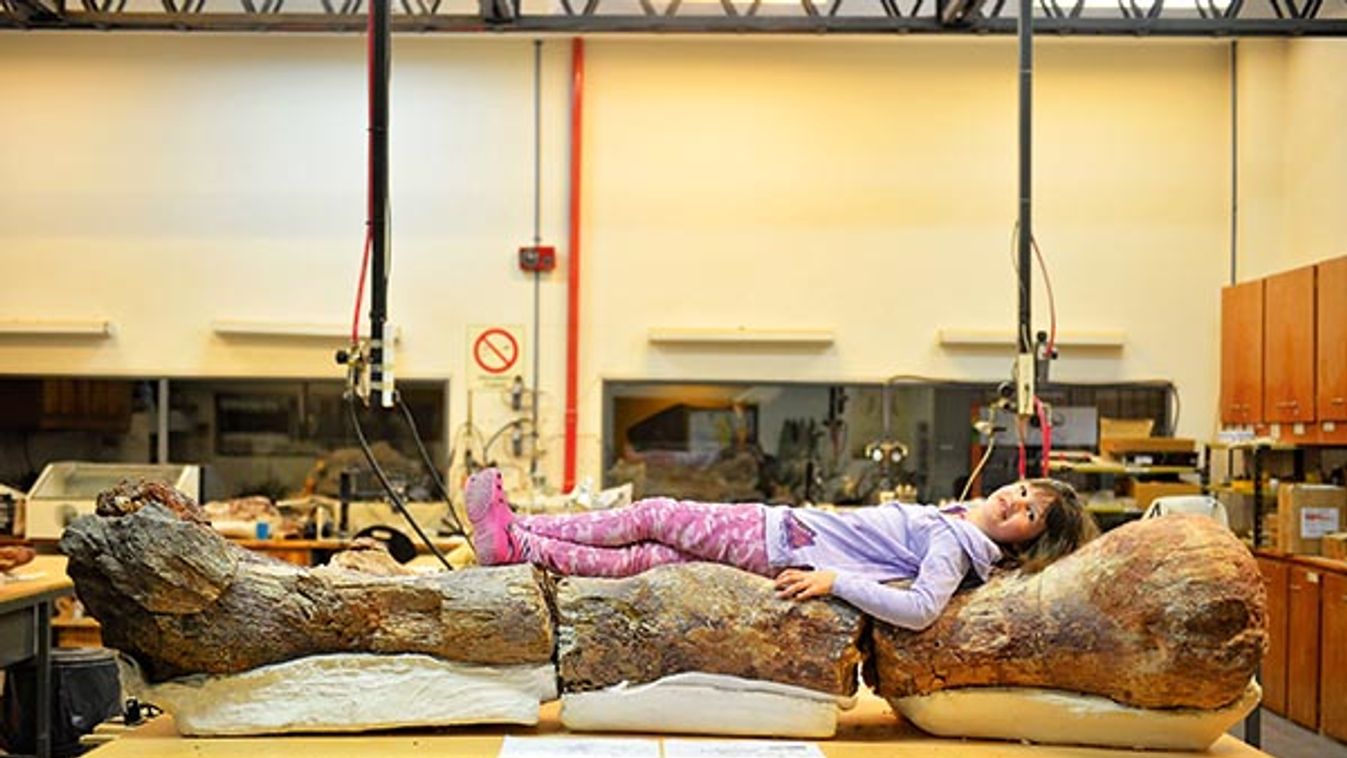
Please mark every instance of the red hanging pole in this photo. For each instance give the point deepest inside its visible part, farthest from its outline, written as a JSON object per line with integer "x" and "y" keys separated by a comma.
{"x": 573, "y": 271}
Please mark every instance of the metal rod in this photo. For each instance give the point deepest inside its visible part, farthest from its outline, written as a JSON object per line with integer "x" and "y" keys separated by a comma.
{"x": 161, "y": 424}
{"x": 1234, "y": 158}
{"x": 42, "y": 737}
{"x": 1026, "y": 47}
{"x": 1253, "y": 725}
{"x": 573, "y": 271}
{"x": 537, "y": 241}
{"x": 380, "y": 44}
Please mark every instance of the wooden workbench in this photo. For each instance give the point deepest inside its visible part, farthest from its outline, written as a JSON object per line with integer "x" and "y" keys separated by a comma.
{"x": 867, "y": 731}
{"x": 25, "y": 630}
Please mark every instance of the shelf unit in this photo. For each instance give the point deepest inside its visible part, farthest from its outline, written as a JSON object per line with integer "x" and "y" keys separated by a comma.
{"x": 1256, "y": 450}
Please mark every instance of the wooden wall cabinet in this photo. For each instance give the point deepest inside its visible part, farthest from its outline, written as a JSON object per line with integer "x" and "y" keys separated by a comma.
{"x": 1276, "y": 576}
{"x": 1242, "y": 353}
{"x": 1288, "y": 346}
{"x": 1331, "y": 377}
{"x": 1302, "y": 658}
{"x": 1333, "y": 663}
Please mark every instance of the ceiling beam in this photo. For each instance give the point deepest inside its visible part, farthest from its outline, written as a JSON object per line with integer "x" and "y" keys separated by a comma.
{"x": 502, "y": 16}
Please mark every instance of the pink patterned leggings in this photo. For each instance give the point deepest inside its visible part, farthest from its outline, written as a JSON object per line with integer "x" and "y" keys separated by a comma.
{"x": 651, "y": 532}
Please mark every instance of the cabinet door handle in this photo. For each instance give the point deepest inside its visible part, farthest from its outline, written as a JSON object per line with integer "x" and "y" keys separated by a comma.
{"x": 1338, "y": 401}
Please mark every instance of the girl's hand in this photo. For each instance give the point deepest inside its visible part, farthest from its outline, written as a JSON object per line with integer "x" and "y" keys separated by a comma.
{"x": 802, "y": 585}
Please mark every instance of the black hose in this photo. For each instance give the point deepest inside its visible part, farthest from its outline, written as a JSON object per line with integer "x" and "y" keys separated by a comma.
{"x": 429, "y": 464}
{"x": 387, "y": 485}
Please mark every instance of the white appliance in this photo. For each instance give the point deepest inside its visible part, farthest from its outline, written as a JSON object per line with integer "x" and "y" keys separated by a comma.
{"x": 68, "y": 489}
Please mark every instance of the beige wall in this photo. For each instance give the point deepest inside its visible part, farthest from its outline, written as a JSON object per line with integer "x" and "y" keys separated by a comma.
{"x": 864, "y": 186}
{"x": 1293, "y": 156}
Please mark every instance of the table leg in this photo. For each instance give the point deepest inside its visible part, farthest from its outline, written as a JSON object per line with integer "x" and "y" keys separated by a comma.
{"x": 42, "y": 731}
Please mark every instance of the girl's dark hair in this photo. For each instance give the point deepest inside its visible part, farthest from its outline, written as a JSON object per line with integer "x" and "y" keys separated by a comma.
{"x": 1069, "y": 527}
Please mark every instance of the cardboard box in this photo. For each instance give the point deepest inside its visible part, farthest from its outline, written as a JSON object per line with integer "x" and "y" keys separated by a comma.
{"x": 1335, "y": 546}
{"x": 1145, "y": 492}
{"x": 1306, "y": 513}
{"x": 1150, "y": 451}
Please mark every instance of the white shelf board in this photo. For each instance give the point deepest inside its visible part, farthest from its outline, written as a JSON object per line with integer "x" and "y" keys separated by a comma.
{"x": 288, "y": 329}
{"x": 741, "y": 335}
{"x": 92, "y": 327}
{"x": 1101, "y": 340}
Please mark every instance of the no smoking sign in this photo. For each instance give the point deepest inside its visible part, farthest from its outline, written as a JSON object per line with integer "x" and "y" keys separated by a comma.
{"x": 495, "y": 354}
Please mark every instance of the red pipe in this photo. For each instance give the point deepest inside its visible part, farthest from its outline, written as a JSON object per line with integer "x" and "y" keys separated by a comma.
{"x": 573, "y": 274}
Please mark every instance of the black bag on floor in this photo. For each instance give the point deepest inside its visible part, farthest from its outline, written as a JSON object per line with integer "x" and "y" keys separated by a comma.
{"x": 85, "y": 692}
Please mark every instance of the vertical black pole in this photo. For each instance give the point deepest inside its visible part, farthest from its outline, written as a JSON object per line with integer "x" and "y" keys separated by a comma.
{"x": 380, "y": 45}
{"x": 537, "y": 241}
{"x": 1026, "y": 38}
{"x": 1234, "y": 159}
{"x": 1253, "y": 723}
{"x": 42, "y": 726}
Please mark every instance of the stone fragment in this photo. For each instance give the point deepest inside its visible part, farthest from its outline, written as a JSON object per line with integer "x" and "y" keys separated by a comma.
{"x": 369, "y": 556}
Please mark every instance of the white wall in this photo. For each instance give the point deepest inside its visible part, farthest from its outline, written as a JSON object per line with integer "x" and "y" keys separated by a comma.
{"x": 1293, "y": 157}
{"x": 866, "y": 186}
{"x": 869, "y": 187}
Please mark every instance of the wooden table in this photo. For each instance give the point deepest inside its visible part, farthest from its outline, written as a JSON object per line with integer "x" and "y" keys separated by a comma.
{"x": 25, "y": 630}
{"x": 867, "y": 731}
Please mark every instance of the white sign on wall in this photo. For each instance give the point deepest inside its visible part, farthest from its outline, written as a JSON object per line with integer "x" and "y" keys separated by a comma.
{"x": 495, "y": 355}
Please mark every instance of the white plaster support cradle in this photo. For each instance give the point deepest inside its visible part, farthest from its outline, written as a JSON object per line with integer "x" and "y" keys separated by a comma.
{"x": 349, "y": 693}
{"x": 1067, "y": 718}
{"x": 700, "y": 703}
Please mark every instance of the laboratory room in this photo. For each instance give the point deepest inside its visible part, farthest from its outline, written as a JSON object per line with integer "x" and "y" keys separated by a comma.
{"x": 673, "y": 378}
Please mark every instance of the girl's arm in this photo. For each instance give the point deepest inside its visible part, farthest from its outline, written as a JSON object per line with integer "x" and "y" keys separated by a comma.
{"x": 919, "y": 605}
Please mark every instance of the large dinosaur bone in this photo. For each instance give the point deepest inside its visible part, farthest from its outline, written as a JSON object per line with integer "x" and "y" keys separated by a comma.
{"x": 1160, "y": 613}
{"x": 183, "y": 600}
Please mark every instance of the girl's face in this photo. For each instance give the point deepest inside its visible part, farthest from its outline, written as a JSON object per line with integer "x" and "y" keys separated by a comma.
{"x": 1014, "y": 514}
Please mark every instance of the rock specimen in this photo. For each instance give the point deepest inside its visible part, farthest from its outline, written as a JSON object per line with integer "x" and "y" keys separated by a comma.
{"x": 1160, "y": 613}
{"x": 701, "y": 617}
{"x": 14, "y": 556}
{"x": 369, "y": 556}
{"x": 183, "y": 600}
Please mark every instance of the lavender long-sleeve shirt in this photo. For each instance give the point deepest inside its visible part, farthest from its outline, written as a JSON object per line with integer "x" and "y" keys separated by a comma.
{"x": 868, "y": 546}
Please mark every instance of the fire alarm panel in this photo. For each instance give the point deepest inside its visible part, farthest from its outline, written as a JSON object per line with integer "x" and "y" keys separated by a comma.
{"x": 540, "y": 258}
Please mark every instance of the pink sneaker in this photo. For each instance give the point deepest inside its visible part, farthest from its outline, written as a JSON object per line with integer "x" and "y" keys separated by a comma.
{"x": 491, "y": 518}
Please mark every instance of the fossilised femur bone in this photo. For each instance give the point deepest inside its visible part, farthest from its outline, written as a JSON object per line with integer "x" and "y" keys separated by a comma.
{"x": 181, "y": 599}
{"x": 1159, "y": 613}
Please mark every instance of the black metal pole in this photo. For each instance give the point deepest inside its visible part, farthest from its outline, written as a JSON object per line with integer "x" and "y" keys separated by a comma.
{"x": 1253, "y": 723}
{"x": 1234, "y": 159}
{"x": 380, "y": 48}
{"x": 537, "y": 241}
{"x": 1026, "y": 46}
